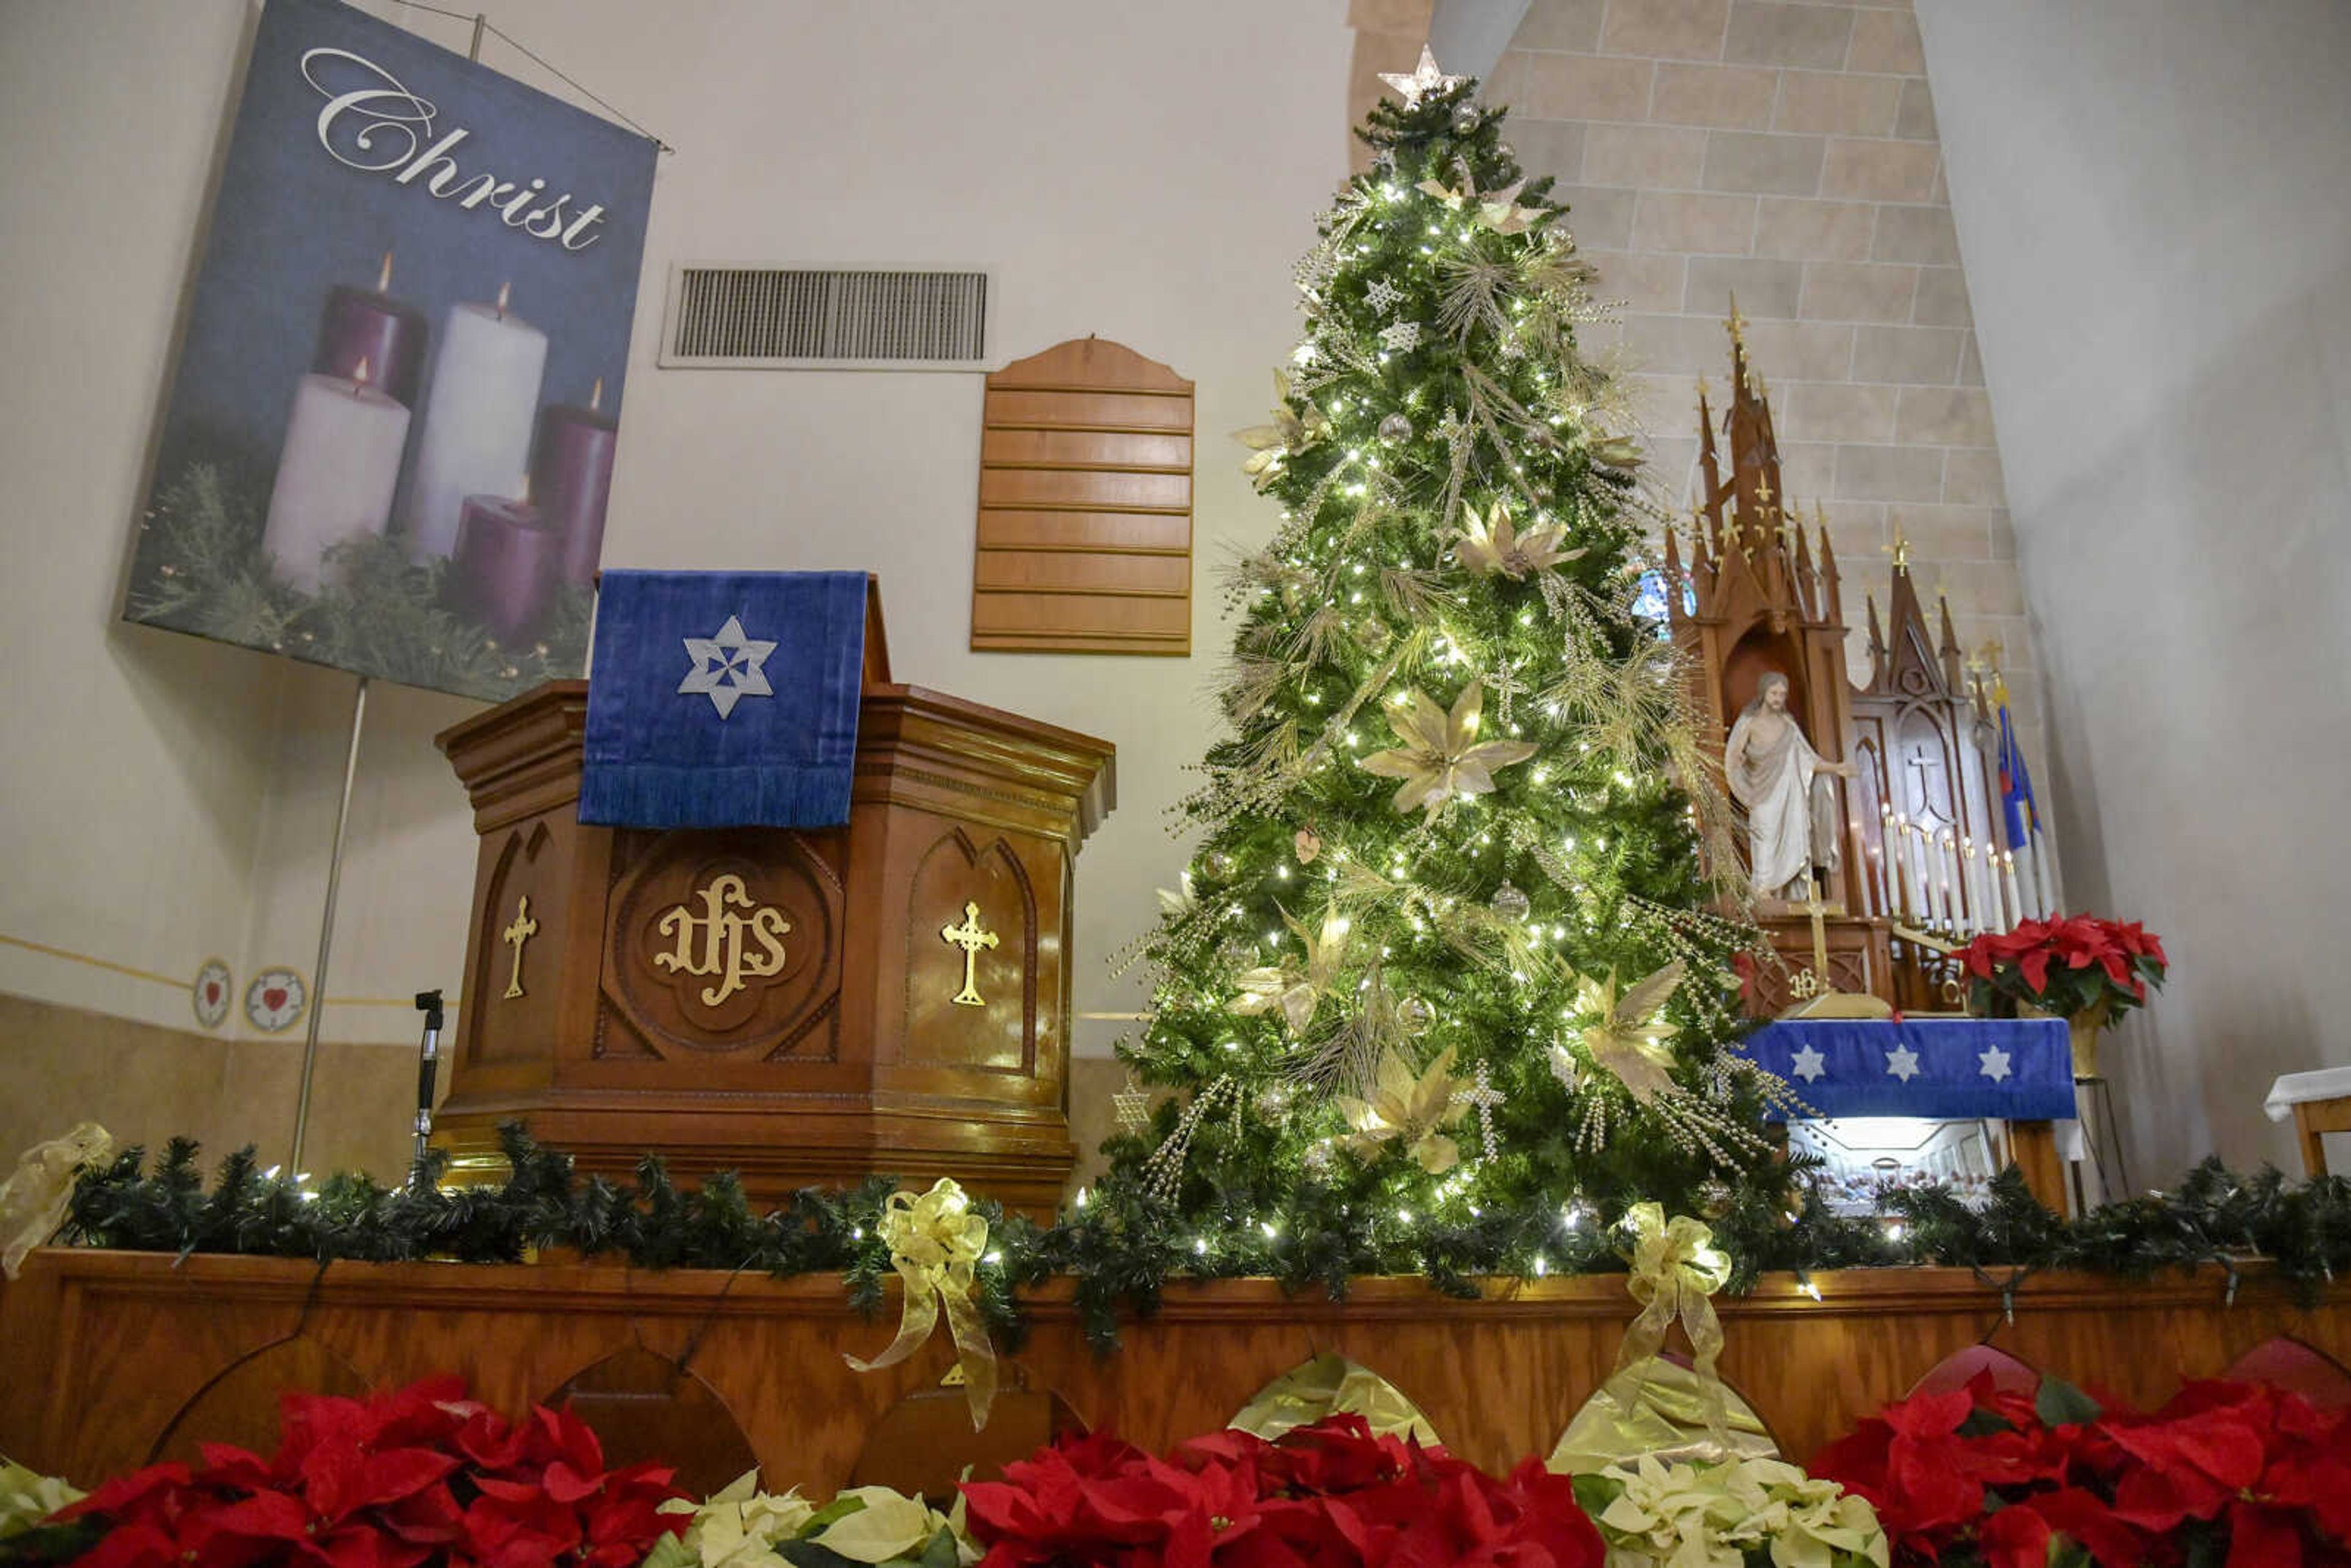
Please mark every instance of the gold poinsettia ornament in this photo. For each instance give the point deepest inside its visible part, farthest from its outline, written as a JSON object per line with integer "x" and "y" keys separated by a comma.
{"x": 1498, "y": 209}
{"x": 1409, "y": 1109}
{"x": 1630, "y": 1039}
{"x": 1294, "y": 994}
{"x": 1441, "y": 756}
{"x": 1289, "y": 434}
{"x": 1492, "y": 544}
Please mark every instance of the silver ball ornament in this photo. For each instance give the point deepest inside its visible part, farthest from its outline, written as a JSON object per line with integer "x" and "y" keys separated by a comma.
{"x": 1414, "y": 1013}
{"x": 1510, "y": 901}
{"x": 1396, "y": 427}
{"x": 1466, "y": 118}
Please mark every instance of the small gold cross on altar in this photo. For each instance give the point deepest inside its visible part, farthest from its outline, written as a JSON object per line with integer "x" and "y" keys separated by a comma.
{"x": 523, "y": 929}
{"x": 971, "y": 938}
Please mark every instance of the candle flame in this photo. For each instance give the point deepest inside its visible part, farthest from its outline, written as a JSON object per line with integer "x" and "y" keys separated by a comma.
{"x": 384, "y": 274}
{"x": 504, "y": 289}
{"x": 596, "y": 397}
{"x": 358, "y": 375}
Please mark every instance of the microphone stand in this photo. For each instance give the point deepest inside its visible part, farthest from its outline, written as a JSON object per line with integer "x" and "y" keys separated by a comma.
{"x": 427, "y": 1063}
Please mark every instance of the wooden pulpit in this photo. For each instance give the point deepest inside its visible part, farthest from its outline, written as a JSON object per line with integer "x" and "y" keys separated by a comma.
{"x": 798, "y": 1006}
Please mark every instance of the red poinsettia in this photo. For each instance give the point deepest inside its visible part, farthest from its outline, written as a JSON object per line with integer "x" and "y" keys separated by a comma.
{"x": 1330, "y": 1493}
{"x": 2233, "y": 1473}
{"x": 391, "y": 1482}
{"x": 2068, "y": 966}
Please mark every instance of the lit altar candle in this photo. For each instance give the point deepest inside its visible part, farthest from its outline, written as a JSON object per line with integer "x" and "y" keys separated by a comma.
{"x": 359, "y": 328}
{"x": 2008, "y": 880}
{"x": 504, "y": 571}
{"x": 478, "y": 419}
{"x": 335, "y": 474}
{"x": 573, "y": 480}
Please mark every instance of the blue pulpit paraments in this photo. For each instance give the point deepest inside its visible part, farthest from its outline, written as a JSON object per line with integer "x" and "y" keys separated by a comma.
{"x": 2013, "y": 1070}
{"x": 723, "y": 699}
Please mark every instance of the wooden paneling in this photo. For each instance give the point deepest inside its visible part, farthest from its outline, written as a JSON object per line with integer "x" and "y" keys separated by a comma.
{"x": 1085, "y": 505}
{"x": 101, "y": 1352}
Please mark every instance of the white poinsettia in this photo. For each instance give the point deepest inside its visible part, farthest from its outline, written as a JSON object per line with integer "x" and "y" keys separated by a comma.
{"x": 742, "y": 1527}
{"x": 1491, "y": 543}
{"x": 1684, "y": 1515}
{"x": 1441, "y": 756}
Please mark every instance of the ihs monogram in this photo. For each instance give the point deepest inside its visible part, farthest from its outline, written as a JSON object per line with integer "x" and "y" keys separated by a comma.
{"x": 715, "y": 941}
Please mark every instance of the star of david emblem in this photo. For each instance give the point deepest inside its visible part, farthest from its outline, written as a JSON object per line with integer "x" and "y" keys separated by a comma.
{"x": 1902, "y": 1062}
{"x": 1807, "y": 1063}
{"x": 1993, "y": 1063}
{"x": 727, "y": 668}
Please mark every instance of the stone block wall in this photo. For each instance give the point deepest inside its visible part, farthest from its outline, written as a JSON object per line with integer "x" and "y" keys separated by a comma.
{"x": 1787, "y": 153}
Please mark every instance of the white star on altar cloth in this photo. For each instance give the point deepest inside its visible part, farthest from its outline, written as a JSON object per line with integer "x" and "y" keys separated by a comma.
{"x": 727, "y": 668}
{"x": 1807, "y": 1063}
{"x": 1903, "y": 1062}
{"x": 1995, "y": 1063}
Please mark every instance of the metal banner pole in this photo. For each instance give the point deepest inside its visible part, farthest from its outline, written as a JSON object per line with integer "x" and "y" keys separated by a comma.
{"x": 327, "y": 927}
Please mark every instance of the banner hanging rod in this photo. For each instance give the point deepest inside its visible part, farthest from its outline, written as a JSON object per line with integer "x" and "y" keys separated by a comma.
{"x": 482, "y": 24}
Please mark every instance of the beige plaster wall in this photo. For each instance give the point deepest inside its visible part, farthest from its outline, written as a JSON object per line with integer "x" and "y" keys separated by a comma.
{"x": 2154, "y": 208}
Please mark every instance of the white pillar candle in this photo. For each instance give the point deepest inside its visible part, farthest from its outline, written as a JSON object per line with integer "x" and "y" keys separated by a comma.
{"x": 1980, "y": 915}
{"x": 1925, "y": 849}
{"x": 335, "y": 474}
{"x": 1881, "y": 897}
{"x": 2015, "y": 898}
{"x": 1954, "y": 883}
{"x": 478, "y": 413}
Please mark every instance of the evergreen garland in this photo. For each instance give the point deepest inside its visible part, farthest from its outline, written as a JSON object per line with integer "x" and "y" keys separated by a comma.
{"x": 1122, "y": 1253}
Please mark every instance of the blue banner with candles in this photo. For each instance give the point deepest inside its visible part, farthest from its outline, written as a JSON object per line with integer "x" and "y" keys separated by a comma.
{"x": 2015, "y": 1070}
{"x": 390, "y": 436}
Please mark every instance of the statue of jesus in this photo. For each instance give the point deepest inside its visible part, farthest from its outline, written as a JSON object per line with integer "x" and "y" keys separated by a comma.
{"x": 1774, "y": 773}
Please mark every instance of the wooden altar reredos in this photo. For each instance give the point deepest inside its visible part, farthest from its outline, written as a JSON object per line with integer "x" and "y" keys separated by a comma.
{"x": 796, "y": 1006}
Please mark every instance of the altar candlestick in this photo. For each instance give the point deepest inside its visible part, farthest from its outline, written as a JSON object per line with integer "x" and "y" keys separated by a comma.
{"x": 335, "y": 475}
{"x": 1899, "y": 849}
{"x": 2008, "y": 880}
{"x": 478, "y": 419}
{"x": 504, "y": 571}
{"x": 373, "y": 328}
{"x": 572, "y": 480}
{"x": 1947, "y": 871}
{"x": 1860, "y": 864}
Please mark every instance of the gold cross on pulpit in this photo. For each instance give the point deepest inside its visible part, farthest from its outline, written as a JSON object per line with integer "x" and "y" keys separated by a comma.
{"x": 971, "y": 937}
{"x": 523, "y": 929}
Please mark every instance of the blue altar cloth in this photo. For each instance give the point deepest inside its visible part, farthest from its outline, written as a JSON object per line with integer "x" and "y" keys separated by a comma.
{"x": 722, "y": 699}
{"x": 2015, "y": 1070}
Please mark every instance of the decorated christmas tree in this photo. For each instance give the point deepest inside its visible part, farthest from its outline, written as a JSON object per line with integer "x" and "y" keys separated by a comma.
{"x": 1446, "y": 981}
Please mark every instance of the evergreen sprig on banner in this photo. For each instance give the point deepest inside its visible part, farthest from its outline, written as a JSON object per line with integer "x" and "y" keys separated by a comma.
{"x": 384, "y": 613}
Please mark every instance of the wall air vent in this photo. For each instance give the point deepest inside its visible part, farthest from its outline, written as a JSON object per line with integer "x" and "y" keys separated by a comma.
{"x": 804, "y": 318}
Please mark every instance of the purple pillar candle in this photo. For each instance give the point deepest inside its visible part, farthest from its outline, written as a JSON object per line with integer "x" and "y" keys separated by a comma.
{"x": 375, "y": 330}
{"x": 504, "y": 570}
{"x": 572, "y": 480}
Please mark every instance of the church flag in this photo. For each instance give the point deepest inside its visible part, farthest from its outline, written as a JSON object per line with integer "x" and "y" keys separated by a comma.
{"x": 722, "y": 699}
{"x": 2015, "y": 780}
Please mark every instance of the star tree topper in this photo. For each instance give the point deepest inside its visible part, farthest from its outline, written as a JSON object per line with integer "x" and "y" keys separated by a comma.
{"x": 1423, "y": 79}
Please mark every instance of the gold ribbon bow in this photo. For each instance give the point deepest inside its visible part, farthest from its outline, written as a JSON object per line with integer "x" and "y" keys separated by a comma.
{"x": 1676, "y": 1269}
{"x": 33, "y": 1199}
{"x": 934, "y": 1242}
